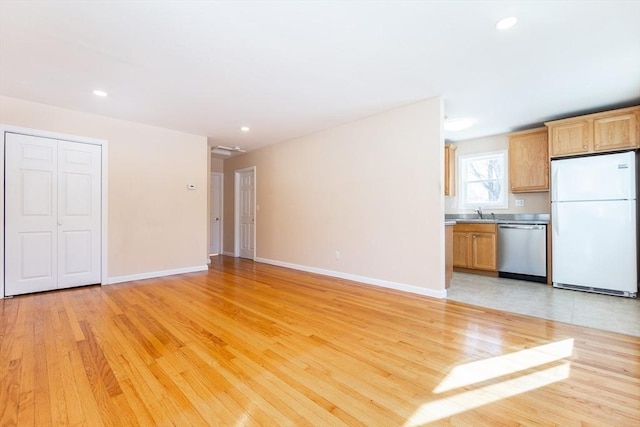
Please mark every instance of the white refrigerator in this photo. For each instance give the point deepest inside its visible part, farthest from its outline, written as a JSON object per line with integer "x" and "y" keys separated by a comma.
{"x": 595, "y": 224}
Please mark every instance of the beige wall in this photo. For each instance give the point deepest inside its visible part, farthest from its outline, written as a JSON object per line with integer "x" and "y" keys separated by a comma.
{"x": 533, "y": 202}
{"x": 154, "y": 223}
{"x": 371, "y": 189}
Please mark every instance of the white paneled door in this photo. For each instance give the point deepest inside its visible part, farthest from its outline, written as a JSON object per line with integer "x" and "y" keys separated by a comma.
{"x": 247, "y": 208}
{"x": 216, "y": 214}
{"x": 52, "y": 214}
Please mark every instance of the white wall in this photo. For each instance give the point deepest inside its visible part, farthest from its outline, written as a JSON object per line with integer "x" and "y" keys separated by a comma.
{"x": 155, "y": 224}
{"x": 371, "y": 189}
{"x": 533, "y": 202}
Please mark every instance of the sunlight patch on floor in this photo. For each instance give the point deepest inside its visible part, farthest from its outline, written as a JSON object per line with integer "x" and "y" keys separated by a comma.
{"x": 495, "y": 367}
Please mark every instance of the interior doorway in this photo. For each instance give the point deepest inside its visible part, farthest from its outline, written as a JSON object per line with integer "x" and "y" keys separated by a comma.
{"x": 245, "y": 213}
{"x": 215, "y": 217}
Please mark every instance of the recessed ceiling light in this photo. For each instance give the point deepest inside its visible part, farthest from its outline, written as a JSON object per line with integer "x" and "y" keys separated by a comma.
{"x": 245, "y": 129}
{"x": 457, "y": 124}
{"x": 505, "y": 23}
{"x": 99, "y": 93}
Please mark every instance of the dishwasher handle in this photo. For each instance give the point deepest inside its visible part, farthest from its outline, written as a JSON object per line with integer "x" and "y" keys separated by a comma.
{"x": 522, "y": 227}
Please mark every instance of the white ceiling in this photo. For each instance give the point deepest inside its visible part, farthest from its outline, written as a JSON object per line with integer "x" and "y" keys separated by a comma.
{"x": 290, "y": 68}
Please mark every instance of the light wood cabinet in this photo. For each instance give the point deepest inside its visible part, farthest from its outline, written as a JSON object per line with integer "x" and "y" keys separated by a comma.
{"x": 460, "y": 248}
{"x": 595, "y": 133}
{"x": 449, "y": 170}
{"x": 616, "y": 131}
{"x": 475, "y": 247}
{"x": 448, "y": 255}
{"x": 529, "y": 161}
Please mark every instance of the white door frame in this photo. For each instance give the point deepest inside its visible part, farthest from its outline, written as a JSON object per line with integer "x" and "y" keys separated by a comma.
{"x": 221, "y": 175}
{"x": 65, "y": 137}
{"x": 236, "y": 213}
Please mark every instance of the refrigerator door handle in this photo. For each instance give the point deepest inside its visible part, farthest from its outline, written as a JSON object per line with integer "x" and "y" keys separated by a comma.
{"x": 554, "y": 183}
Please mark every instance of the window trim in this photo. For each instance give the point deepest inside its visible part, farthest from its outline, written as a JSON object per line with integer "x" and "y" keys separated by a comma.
{"x": 461, "y": 167}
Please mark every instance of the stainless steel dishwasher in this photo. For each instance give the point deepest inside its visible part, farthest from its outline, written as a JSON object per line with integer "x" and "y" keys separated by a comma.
{"x": 522, "y": 251}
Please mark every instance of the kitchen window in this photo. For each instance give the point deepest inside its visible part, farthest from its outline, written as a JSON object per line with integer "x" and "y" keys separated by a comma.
{"x": 483, "y": 180}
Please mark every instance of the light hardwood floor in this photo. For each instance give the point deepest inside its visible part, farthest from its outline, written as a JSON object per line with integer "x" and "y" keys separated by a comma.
{"x": 252, "y": 344}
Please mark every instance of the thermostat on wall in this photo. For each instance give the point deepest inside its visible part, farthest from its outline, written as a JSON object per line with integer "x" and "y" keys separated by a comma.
{"x": 191, "y": 186}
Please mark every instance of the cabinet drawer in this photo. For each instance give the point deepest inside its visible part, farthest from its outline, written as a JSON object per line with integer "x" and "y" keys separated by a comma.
{"x": 475, "y": 228}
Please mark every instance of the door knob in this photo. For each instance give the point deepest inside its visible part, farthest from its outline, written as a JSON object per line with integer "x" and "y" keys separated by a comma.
{"x": 216, "y": 219}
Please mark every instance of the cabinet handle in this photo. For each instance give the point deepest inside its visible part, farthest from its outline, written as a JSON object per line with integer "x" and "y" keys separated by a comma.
{"x": 597, "y": 145}
{"x": 584, "y": 147}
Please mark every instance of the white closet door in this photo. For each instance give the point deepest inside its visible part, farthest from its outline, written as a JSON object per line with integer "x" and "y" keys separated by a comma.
{"x": 79, "y": 186}
{"x": 247, "y": 214}
{"x": 30, "y": 214}
{"x": 53, "y": 214}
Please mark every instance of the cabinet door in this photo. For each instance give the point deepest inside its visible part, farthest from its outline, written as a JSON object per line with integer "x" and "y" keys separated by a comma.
{"x": 460, "y": 249}
{"x": 616, "y": 132}
{"x": 529, "y": 161}
{"x": 570, "y": 138}
{"x": 483, "y": 251}
{"x": 448, "y": 255}
{"x": 449, "y": 169}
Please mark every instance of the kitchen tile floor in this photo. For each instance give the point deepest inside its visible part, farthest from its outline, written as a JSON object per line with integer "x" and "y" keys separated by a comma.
{"x": 606, "y": 312}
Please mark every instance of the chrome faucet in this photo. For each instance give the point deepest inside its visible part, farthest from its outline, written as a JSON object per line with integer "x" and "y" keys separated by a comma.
{"x": 479, "y": 212}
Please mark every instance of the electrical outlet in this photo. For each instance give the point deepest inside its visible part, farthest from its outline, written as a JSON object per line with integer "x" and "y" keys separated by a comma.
{"x": 519, "y": 202}
{"x": 337, "y": 254}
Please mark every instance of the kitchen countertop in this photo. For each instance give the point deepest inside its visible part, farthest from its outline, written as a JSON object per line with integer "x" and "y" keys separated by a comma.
{"x": 449, "y": 222}
{"x": 499, "y": 218}
{"x": 501, "y": 221}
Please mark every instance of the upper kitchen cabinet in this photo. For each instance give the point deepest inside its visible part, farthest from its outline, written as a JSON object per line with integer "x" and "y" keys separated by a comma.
{"x": 570, "y": 138}
{"x": 449, "y": 169}
{"x": 529, "y": 161}
{"x": 595, "y": 133}
{"x": 616, "y": 131}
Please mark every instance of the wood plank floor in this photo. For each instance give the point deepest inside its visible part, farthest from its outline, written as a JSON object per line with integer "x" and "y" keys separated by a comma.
{"x": 248, "y": 344}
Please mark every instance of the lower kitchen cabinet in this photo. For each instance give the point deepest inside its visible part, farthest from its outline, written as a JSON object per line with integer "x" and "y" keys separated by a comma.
{"x": 448, "y": 257}
{"x": 475, "y": 247}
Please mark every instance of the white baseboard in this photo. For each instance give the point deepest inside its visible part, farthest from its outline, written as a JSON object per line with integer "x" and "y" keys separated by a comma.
{"x": 362, "y": 279}
{"x": 229, "y": 253}
{"x": 154, "y": 274}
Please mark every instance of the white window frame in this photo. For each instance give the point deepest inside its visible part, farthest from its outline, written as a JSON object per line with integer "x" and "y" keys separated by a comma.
{"x": 503, "y": 202}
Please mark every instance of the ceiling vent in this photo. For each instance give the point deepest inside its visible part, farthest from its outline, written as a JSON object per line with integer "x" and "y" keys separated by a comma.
{"x": 224, "y": 152}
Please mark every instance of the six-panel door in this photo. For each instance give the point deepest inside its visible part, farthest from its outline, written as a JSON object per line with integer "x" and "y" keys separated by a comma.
{"x": 52, "y": 214}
